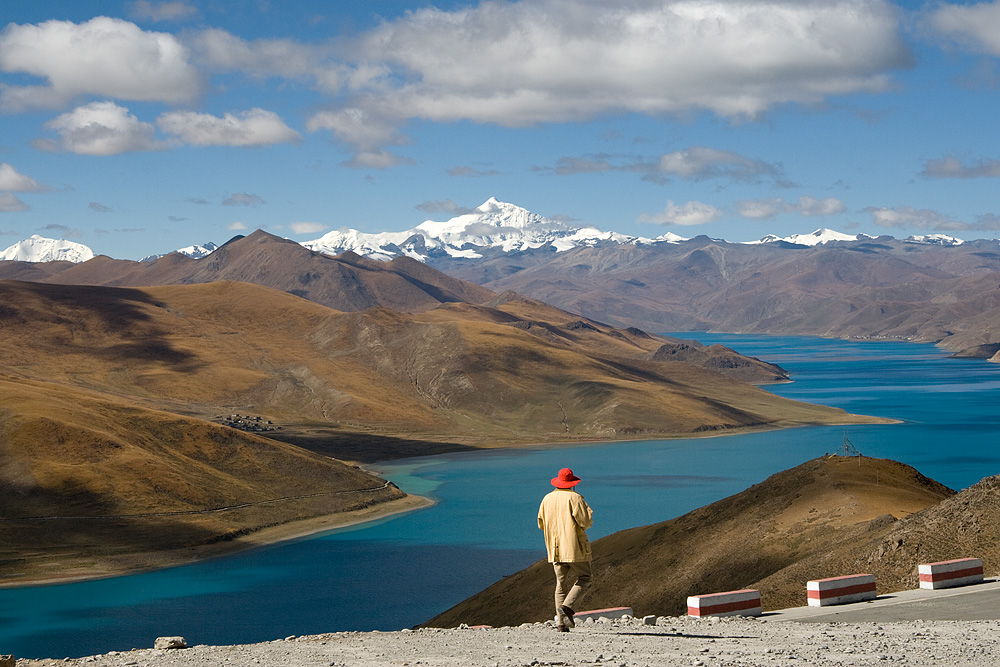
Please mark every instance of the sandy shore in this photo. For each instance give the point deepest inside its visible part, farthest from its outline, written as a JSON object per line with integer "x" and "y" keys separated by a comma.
{"x": 145, "y": 561}
{"x": 672, "y": 641}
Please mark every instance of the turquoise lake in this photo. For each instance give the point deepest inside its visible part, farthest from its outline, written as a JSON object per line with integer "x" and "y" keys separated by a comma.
{"x": 403, "y": 570}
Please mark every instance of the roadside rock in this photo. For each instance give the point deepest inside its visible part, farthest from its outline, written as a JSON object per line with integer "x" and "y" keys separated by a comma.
{"x": 673, "y": 642}
{"x": 170, "y": 643}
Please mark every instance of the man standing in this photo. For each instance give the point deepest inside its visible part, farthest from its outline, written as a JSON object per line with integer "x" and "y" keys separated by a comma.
{"x": 564, "y": 516}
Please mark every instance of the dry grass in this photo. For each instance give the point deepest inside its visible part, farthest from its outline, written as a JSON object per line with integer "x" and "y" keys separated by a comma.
{"x": 460, "y": 373}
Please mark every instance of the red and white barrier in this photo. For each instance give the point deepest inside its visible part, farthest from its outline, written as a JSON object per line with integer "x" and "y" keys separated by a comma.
{"x": 732, "y": 603}
{"x": 841, "y": 590}
{"x": 951, "y": 573}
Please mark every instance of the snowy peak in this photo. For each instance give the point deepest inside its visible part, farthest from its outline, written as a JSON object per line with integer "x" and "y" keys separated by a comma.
{"x": 934, "y": 239}
{"x": 818, "y": 237}
{"x": 40, "y": 249}
{"x": 493, "y": 220}
{"x": 493, "y": 226}
{"x": 192, "y": 251}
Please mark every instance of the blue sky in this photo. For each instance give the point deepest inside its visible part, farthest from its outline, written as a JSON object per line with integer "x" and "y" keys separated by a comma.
{"x": 139, "y": 127}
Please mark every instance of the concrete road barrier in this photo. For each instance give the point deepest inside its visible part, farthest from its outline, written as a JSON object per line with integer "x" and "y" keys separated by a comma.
{"x": 745, "y": 602}
{"x": 840, "y": 590}
{"x": 951, "y": 573}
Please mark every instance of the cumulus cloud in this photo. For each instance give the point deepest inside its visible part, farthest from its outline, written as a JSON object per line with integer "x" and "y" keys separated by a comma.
{"x": 13, "y": 181}
{"x": 691, "y": 213}
{"x": 910, "y": 217}
{"x": 695, "y": 163}
{"x": 699, "y": 162}
{"x": 951, "y": 167}
{"x": 307, "y": 227}
{"x": 105, "y": 56}
{"x": 367, "y": 132}
{"x": 973, "y": 26}
{"x": 255, "y": 127}
{"x": 222, "y": 51}
{"x": 446, "y": 206}
{"x": 568, "y": 166}
{"x": 161, "y": 11}
{"x": 62, "y": 230}
{"x": 762, "y": 209}
{"x": 242, "y": 199}
{"x": 573, "y": 60}
{"x": 472, "y": 172}
{"x": 810, "y": 207}
{"x": 100, "y": 128}
{"x": 11, "y": 204}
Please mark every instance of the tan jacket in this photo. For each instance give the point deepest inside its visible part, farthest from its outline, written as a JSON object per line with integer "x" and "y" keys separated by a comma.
{"x": 564, "y": 516}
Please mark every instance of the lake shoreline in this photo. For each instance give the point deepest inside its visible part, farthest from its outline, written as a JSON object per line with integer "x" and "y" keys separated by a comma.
{"x": 138, "y": 563}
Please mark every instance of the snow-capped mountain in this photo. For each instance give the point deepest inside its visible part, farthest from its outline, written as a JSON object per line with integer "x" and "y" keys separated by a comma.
{"x": 818, "y": 237}
{"x": 934, "y": 239}
{"x": 193, "y": 251}
{"x": 40, "y": 249}
{"x": 494, "y": 225}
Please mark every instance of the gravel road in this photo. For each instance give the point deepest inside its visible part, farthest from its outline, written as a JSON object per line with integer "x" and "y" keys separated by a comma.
{"x": 628, "y": 642}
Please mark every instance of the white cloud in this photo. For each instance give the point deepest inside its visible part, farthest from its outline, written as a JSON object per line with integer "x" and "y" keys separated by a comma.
{"x": 255, "y": 127}
{"x": 950, "y": 167}
{"x": 472, "y": 172}
{"x": 13, "y": 181}
{"x": 236, "y": 226}
{"x": 908, "y": 216}
{"x": 104, "y": 56}
{"x": 699, "y": 162}
{"x": 307, "y": 227}
{"x": 162, "y": 11}
{"x": 100, "y": 128}
{"x": 447, "y": 206}
{"x": 761, "y": 209}
{"x": 691, "y": 213}
{"x": 243, "y": 199}
{"x": 222, "y": 51}
{"x": 538, "y": 61}
{"x": 973, "y": 25}
{"x": 11, "y": 204}
{"x": 810, "y": 207}
{"x": 368, "y": 133}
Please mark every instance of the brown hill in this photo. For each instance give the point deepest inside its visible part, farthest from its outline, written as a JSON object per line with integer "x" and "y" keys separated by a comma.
{"x": 347, "y": 283}
{"x": 830, "y": 516}
{"x": 94, "y": 484}
{"x": 877, "y": 289}
{"x": 460, "y": 373}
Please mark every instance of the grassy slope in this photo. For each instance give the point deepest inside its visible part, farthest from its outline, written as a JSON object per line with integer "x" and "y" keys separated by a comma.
{"x": 466, "y": 373}
{"x": 100, "y": 463}
{"x": 774, "y": 536}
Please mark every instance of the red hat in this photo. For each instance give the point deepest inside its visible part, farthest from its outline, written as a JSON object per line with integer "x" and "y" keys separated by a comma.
{"x": 565, "y": 480}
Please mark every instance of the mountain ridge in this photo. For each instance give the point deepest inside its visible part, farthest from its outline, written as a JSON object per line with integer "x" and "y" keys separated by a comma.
{"x": 492, "y": 226}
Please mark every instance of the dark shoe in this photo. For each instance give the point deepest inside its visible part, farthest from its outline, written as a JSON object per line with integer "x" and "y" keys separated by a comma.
{"x": 562, "y": 628}
{"x": 569, "y": 614}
